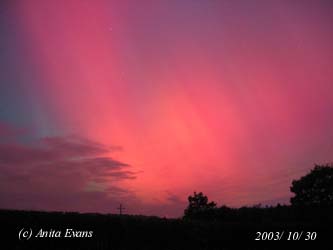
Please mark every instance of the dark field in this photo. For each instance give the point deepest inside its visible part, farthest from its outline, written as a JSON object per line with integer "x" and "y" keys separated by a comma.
{"x": 225, "y": 229}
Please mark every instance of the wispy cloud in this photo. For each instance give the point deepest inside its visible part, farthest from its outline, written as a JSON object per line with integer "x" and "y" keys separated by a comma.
{"x": 7, "y": 131}
{"x": 60, "y": 172}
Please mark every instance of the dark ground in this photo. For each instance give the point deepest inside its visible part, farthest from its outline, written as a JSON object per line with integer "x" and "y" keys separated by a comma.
{"x": 236, "y": 229}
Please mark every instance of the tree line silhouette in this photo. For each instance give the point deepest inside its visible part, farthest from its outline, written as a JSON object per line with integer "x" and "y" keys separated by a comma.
{"x": 313, "y": 199}
{"x": 203, "y": 226}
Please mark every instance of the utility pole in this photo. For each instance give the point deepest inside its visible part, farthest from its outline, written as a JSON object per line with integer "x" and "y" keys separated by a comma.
{"x": 121, "y": 208}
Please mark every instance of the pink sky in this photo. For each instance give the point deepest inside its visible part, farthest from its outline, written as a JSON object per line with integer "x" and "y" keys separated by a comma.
{"x": 144, "y": 103}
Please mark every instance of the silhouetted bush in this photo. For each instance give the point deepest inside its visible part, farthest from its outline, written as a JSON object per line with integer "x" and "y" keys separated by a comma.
{"x": 199, "y": 207}
{"x": 315, "y": 188}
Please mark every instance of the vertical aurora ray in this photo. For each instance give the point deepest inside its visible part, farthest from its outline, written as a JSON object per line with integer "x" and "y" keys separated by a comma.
{"x": 229, "y": 98}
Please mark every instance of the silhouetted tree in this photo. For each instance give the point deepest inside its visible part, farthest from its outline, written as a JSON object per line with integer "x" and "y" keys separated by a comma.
{"x": 315, "y": 188}
{"x": 198, "y": 203}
